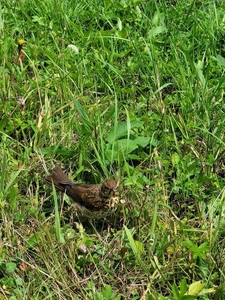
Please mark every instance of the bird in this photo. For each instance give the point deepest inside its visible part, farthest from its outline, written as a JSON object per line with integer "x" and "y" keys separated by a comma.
{"x": 93, "y": 201}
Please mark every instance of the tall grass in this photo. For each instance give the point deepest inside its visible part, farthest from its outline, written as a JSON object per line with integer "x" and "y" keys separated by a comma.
{"x": 141, "y": 102}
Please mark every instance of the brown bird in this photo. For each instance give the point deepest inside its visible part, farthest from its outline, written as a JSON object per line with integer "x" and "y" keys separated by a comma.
{"x": 90, "y": 200}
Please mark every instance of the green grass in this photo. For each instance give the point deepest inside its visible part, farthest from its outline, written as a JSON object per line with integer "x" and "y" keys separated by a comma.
{"x": 142, "y": 102}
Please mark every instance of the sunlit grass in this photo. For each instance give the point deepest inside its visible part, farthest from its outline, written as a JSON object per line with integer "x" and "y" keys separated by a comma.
{"x": 142, "y": 102}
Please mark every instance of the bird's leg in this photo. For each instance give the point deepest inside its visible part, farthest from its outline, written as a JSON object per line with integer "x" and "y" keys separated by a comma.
{"x": 95, "y": 230}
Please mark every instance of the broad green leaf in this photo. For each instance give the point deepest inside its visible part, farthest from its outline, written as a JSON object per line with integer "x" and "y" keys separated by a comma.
{"x": 122, "y": 130}
{"x": 83, "y": 115}
{"x": 142, "y": 141}
{"x": 175, "y": 158}
{"x": 195, "y": 288}
{"x": 176, "y": 292}
{"x": 156, "y": 31}
{"x": 140, "y": 247}
{"x": 131, "y": 241}
{"x": 33, "y": 240}
{"x": 220, "y": 60}
{"x": 183, "y": 287}
{"x": 10, "y": 267}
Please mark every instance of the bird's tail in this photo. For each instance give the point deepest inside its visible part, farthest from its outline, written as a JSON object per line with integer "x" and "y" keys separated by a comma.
{"x": 59, "y": 179}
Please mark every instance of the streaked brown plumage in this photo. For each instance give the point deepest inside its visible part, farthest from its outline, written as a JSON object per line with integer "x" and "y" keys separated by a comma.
{"x": 89, "y": 200}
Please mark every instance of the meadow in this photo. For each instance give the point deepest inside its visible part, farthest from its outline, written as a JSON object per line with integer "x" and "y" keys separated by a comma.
{"x": 137, "y": 96}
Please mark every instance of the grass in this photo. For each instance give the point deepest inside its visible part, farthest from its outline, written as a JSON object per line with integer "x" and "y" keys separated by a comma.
{"x": 142, "y": 102}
